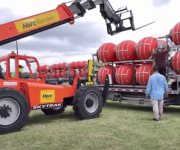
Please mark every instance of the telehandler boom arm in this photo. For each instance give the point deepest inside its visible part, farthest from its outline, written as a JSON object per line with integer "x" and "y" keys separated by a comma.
{"x": 18, "y": 29}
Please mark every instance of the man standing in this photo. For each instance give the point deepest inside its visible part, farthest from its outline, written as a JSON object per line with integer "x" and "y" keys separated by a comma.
{"x": 157, "y": 88}
{"x": 160, "y": 56}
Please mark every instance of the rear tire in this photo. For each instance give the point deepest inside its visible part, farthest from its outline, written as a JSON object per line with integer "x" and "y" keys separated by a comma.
{"x": 88, "y": 102}
{"x": 54, "y": 111}
{"x": 13, "y": 110}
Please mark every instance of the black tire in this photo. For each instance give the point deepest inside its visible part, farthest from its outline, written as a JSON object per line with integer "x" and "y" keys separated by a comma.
{"x": 14, "y": 110}
{"x": 88, "y": 102}
{"x": 54, "y": 111}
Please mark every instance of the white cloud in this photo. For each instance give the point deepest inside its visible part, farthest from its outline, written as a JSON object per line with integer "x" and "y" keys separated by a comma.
{"x": 80, "y": 40}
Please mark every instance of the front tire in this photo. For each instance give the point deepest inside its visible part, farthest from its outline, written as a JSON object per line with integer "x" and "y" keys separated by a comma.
{"x": 88, "y": 102}
{"x": 13, "y": 110}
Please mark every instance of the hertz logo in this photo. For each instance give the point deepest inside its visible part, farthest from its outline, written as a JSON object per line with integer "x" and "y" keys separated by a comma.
{"x": 47, "y": 96}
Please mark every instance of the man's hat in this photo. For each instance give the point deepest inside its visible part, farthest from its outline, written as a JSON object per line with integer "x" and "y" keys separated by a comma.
{"x": 20, "y": 66}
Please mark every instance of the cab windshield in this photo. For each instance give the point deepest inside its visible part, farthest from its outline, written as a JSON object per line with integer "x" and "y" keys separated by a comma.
{"x": 27, "y": 68}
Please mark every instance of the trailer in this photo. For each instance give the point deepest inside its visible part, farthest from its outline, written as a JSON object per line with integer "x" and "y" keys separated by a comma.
{"x": 126, "y": 80}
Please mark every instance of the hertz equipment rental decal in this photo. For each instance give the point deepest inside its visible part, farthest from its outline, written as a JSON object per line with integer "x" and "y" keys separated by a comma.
{"x": 47, "y": 96}
{"x": 37, "y": 21}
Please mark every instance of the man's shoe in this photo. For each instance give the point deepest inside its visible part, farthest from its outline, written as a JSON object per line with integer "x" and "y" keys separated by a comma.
{"x": 155, "y": 119}
{"x": 160, "y": 118}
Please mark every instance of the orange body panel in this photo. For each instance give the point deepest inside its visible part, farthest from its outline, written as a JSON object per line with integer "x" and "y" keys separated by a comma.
{"x": 39, "y": 93}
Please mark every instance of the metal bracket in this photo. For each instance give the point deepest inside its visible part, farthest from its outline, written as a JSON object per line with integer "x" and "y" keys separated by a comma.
{"x": 81, "y": 8}
{"x": 141, "y": 101}
{"x": 105, "y": 90}
{"x": 93, "y": 5}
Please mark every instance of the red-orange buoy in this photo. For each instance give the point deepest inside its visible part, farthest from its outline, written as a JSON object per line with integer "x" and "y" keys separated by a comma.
{"x": 175, "y": 34}
{"x": 83, "y": 64}
{"x": 143, "y": 73}
{"x": 106, "y": 52}
{"x": 124, "y": 74}
{"x": 103, "y": 72}
{"x": 145, "y": 47}
{"x": 176, "y": 62}
{"x": 83, "y": 73}
{"x": 126, "y": 50}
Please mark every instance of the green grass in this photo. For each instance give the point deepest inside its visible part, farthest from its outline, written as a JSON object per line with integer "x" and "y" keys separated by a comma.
{"x": 120, "y": 126}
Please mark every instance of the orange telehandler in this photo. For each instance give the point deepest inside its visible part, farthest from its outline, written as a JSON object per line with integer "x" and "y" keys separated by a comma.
{"x": 20, "y": 94}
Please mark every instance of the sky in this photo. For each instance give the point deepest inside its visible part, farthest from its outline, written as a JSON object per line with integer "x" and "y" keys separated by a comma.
{"x": 77, "y": 42}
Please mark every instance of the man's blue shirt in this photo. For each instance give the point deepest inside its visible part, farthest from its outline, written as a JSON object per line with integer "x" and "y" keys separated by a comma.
{"x": 157, "y": 86}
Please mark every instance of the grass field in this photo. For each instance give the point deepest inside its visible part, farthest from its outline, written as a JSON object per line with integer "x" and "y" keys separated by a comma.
{"x": 120, "y": 126}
